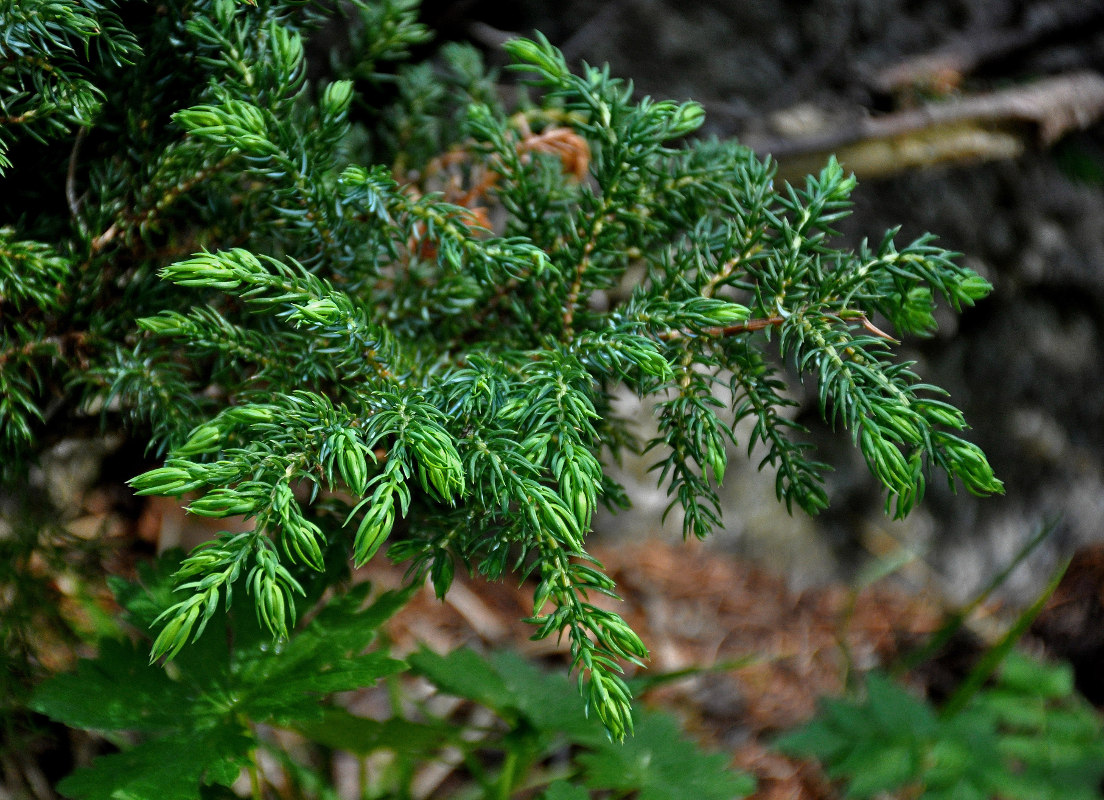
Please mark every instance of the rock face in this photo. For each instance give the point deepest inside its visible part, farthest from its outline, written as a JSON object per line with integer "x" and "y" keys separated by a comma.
{"x": 1026, "y": 364}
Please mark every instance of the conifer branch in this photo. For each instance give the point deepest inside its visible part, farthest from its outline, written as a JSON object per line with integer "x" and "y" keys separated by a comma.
{"x": 357, "y": 364}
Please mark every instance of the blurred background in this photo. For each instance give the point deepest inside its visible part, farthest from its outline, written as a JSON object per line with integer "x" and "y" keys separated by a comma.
{"x": 976, "y": 120}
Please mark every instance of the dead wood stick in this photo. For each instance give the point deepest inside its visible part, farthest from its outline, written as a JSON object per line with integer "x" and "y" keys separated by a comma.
{"x": 998, "y": 125}
{"x": 944, "y": 68}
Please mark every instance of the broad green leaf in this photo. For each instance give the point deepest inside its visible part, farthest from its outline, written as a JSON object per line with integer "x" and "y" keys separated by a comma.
{"x": 1033, "y": 677}
{"x": 465, "y": 673}
{"x": 119, "y": 690}
{"x": 659, "y": 764}
{"x": 874, "y": 770}
{"x": 339, "y": 729}
{"x": 949, "y": 759}
{"x": 815, "y": 738}
{"x": 171, "y": 768}
{"x": 515, "y": 689}
{"x": 562, "y": 790}
{"x": 345, "y": 626}
{"x": 897, "y": 711}
{"x": 284, "y": 694}
{"x": 959, "y": 791}
{"x": 1023, "y": 739}
{"x": 152, "y": 593}
{"x": 324, "y": 658}
{"x": 549, "y": 701}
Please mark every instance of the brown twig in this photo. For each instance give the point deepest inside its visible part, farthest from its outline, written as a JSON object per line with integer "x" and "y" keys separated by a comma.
{"x": 19, "y": 119}
{"x": 720, "y": 331}
{"x": 127, "y": 221}
{"x": 105, "y": 238}
{"x": 870, "y": 326}
{"x": 760, "y": 323}
{"x": 577, "y": 284}
{"x": 58, "y": 343}
{"x": 1001, "y": 124}
{"x": 944, "y": 68}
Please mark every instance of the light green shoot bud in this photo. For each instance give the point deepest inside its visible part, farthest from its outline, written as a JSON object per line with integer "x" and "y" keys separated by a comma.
{"x": 336, "y": 98}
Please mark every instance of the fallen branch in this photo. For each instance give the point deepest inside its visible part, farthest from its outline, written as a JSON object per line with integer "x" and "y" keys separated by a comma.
{"x": 998, "y": 125}
{"x": 943, "y": 70}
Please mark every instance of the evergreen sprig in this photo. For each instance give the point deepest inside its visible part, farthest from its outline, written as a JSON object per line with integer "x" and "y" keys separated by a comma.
{"x": 50, "y": 48}
{"x": 359, "y": 325}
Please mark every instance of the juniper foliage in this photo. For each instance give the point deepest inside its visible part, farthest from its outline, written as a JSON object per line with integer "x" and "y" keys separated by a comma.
{"x": 380, "y": 307}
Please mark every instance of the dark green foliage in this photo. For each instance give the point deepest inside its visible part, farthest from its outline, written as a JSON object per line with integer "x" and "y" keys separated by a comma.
{"x": 360, "y": 326}
{"x": 540, "y": 709}
{"x": 658, "y": 763}
{"x": 1028, "y": 737}
{"x": 202, "y": 719}
{"x": 51, "y": 51}
{"x": 199, "y": 719}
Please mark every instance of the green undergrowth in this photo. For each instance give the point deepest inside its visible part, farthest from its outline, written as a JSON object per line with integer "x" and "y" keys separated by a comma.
{"x": 1027, "y": 736}
{"x": 190, "y": 729}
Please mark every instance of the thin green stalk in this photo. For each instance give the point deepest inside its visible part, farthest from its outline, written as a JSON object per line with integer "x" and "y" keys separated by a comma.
{"x": 506, "y": 778}
{"x": 254, "y": 770}
{"x": 997, "y": 653}
{"x": 956, "y": 620}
